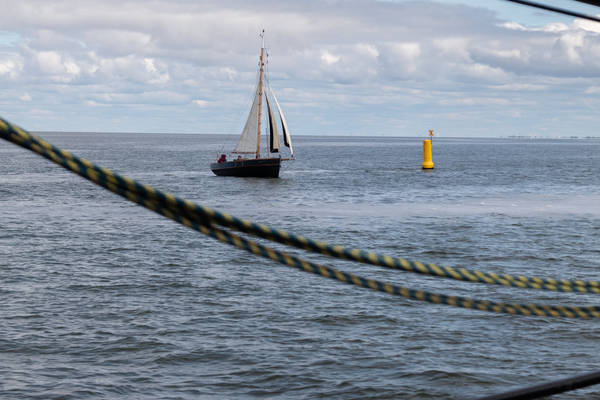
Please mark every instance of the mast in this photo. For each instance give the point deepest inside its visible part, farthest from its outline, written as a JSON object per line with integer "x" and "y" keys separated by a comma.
{"x": 260, "y": 92}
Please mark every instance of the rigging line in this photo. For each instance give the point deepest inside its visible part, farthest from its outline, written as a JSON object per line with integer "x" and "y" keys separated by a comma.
{"x": 200, "y": 214}
{"x": 205, "y": 227}
{"x": 555, "y": 9}
{"x": 224, "y": 236}
{"x": 592, "y": 2}
{"x": 197, "y": 212}
{"x": 129, "y": 189}
{"x": 548, "y": 388}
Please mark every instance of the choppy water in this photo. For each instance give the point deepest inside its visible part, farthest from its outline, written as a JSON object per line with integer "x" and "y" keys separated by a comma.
{"x": 103, "y": 299}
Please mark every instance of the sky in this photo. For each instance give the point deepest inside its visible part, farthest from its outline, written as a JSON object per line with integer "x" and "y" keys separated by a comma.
{"x": 487, "y": 68}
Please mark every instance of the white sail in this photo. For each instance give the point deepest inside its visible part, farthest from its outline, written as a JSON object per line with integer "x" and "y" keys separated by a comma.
{"x": 273, "y": 134}
{"x": 287, "y": 139}
{"x": 247, "y": 142}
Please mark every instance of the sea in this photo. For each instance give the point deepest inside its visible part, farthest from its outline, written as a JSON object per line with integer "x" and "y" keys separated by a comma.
{"x": 103, "y": 299}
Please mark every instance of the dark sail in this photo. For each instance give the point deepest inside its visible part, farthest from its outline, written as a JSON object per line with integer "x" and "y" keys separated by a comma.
{"x": 287, "y": 140}
{"x": 273, "y": 135}
{"x": 285, "y": 133}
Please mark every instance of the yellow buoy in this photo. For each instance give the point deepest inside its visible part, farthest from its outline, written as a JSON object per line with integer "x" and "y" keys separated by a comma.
{"x": 427, "y": 162}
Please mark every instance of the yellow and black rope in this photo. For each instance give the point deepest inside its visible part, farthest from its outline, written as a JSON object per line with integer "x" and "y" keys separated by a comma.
{"x": 202, "y": 219}
{"x": 351, "y": 279}
{"x": 195, "y": 212}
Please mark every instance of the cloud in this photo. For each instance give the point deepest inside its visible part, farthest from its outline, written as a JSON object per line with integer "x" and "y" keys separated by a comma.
{"x": 391, "y": 60}
{"x": 587, "y": 25}
{"x": 552, "y": 27}
{"x": 11, "y": 67}
{"x": 519, "y": 87}
{"x": 200, "y": 103}
{"x": 328, "y": 58}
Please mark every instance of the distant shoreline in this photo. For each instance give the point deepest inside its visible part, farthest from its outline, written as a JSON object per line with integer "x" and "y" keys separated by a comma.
{"x": 518, "y": 137}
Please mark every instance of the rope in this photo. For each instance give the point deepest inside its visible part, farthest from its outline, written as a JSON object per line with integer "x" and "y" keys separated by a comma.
{"x": 559, "y": 10}
{"x": 351, "y": 279}
{"x": 199, "y": 213}
{"x": 201, "y": 218}
{"x": 548, "y": 388}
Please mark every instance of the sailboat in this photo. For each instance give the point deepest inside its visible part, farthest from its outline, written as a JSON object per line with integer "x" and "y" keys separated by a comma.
{"x": 247, "y": 160}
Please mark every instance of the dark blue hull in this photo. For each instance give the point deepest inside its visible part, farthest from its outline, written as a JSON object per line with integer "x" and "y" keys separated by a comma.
{"x": 258, "y": 168}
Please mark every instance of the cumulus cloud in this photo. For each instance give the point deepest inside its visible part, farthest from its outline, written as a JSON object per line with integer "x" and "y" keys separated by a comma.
{"x": 587, "y": 25}
{"x": 55, "y": 66}
{"x": 328, "y": 58}
{"x": 11, "y": 67}
{"x": 323, "y": 56}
